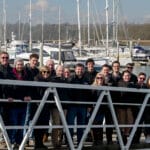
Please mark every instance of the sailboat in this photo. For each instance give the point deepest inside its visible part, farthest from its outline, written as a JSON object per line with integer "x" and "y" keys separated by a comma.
{"x": 88, "y": 52}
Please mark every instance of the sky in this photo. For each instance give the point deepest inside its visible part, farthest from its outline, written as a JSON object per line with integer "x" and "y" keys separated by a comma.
{"x": 132, "y": 11}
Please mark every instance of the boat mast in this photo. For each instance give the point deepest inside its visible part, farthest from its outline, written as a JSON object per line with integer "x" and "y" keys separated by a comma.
{"x": 59, "y": 39}
{"x": 107, "y": 52}
{"x": 30, "y": 34}
{"x": 113, "y": 21}
{"x": 79, "y": 26}
{"x": 42, "y": 40}
{"x": 19, "y": 26}
{"x": 117, "y": 20}
{"x": 4, "y": 21}
{"x": 88, "y": 6}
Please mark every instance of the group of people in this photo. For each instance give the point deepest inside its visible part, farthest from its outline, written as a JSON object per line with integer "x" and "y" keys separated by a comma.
{"x": 19, "y": 113}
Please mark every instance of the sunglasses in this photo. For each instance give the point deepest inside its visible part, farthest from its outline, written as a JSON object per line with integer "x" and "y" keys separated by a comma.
{"x": 130, "y": 67}
{"x": 142, "y": 78}
{"x": 99, "y": 78}
{"x": 4, "y": 57}
{"x": 46, "y": 72}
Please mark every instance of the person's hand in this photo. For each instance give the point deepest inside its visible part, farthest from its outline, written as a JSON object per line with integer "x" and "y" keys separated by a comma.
{"x": 27, "y": 98}
{"x": 10, "y": 99}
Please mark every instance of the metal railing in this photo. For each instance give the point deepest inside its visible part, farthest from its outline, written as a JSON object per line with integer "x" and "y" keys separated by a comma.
{"x": 52, "y": 88}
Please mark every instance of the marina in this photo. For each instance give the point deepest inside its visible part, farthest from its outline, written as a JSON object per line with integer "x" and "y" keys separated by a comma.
{"x": 74, "y": 75}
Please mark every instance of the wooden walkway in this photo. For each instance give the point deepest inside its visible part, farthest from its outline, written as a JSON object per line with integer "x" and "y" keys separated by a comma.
{"x": 89, "y": 145}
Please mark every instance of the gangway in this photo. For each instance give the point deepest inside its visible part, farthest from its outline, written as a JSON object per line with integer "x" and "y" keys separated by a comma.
{"x": 52, "y": 88}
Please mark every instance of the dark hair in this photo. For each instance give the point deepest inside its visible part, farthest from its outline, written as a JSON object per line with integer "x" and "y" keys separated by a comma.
{"x": 89, "y": 60}
{"x": 106, "y": 65}
{"x": 130, "y": 64}
{"x": 3, "y": 52}
{"x": 115, "y": 62}
{"x": 147, "y": 82}
{"x": 79, "y": 65}
{"x": 142, "y": 73}
{"x": 125, "y": 71}
{"x": 34, "y": 56}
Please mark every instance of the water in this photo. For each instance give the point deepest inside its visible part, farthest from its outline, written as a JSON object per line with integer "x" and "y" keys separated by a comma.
{"x": 145, "y": 69}
{"x": 136, "y": 70}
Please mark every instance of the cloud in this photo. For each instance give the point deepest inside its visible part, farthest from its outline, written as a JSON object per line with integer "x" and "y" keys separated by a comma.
{"x": 42, "y": 4}
{"x": 147, "y": 18}
{"x": 38, "y": 5}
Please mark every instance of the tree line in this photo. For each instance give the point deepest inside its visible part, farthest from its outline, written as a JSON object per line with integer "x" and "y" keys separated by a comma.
{"x": 70, "y": 32}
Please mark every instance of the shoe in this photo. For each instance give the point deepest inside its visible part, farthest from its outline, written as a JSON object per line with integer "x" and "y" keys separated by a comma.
{"x": 95, "y": 143}
{"x": 89, "y": 138}
{"x": 57, "y": 146}
{"x": 3, "y": 144}
{"x": 110, "y": 142}
{"x": 125, "y": 139}
{"x": 45, "y": 137}
{"x": 40, "y": 147}
{"x": 15, "y": 146}
{"x": 31, "y": 142}
{"x": 147, "y": 140}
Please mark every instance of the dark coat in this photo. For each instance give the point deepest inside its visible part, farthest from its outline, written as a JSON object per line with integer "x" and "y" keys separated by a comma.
{"x": 80, "y": 94}
{"x": 18, "y": 92}
{"x": 126, "y": 97}
{"x": 32, "y": 73}
{"x": 139, "y": 97}
{"x": 1, "y": 92}
{"x": 39, "y": 92}
{"x": 6, "y": 73}
{"x": 64, "y": 93}
{"x": 90, "y": 76}
{"x": 114, "y": 81}
{"x": 21, "y": 91}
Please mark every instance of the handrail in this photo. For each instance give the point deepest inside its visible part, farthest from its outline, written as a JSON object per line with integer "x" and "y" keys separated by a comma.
{"x": 52, "y": 88}
{"x": 72, "y": 86}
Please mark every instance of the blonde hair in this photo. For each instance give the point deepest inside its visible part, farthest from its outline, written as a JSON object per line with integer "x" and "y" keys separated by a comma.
{"x": 148, "y": 82}
{"x": 43, "y": 68}
{"x": 95, "y": 80}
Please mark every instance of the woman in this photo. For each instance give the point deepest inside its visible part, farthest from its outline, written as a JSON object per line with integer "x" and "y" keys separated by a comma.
{"x": 98, "y": 132}
{"x": 17, "y": 111}
{"x": 147, "y": 117}
{"x": 43, "y": 76}
{"x": 125, "y": 113}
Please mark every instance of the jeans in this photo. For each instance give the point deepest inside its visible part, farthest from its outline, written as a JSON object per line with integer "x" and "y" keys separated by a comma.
{"x": 16, "y": 117}
{"x": 80, "y": 112}
{"x": 28, "y": 118}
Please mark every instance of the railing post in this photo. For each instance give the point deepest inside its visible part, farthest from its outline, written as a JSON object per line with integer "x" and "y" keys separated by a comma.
{"x": 35, "y": 118}
{"x": 115, "y": 120}
{"x": 97, "y": 106}
{"x": 4, "y": 132}
{"x": 63, "y": 119}
{"x": 137, "y": 121}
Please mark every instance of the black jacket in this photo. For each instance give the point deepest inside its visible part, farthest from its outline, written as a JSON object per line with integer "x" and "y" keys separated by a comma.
{"x": 80, "y": 94}
{"x": 126, "y": 97}
{"x": 6, "y": 73}
{"x": 39, "y": 92}
{"x": 90, "y": 76}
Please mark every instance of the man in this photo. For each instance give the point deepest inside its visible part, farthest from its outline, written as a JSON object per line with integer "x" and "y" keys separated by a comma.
{"x": 130, "y": 67}
{"x": 138, "y": 98}
{"x": 75, "y": 110}
{"x": 32, "y": 71}
{"x": 57, "y": 133}
{"x": 51, "y": 65}
{"x": 108, "y": 117}
{"x": 90, "y": 74}
{"x": 6, "y": 73}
